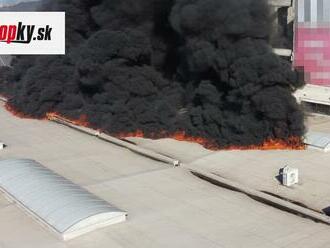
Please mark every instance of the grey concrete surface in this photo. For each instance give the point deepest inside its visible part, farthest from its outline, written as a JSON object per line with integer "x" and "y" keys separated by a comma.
{"x": 167, "y": 207}
{"x": 258, "y": 169}
{"x": 115, "y": 141}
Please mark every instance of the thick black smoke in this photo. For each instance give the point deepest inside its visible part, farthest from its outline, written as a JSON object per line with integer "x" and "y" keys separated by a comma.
{"x": 200, "y": 66}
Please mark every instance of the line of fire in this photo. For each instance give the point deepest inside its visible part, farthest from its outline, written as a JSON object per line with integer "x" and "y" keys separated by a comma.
{"x": 183, "y": 68}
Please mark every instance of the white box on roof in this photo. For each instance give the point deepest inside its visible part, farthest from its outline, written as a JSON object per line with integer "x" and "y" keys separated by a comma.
{"x": 319, "y": 141}
{"x": 290, "y": 176}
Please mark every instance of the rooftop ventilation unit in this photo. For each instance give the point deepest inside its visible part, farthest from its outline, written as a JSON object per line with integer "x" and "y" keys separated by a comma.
{"x": 64, "y": 207}
{"x": 290, "y": 176}
{"x": 319, "y": 141}
{"x": 314, "y": 94}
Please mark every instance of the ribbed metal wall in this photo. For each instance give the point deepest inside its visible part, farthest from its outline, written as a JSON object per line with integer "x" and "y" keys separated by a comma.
{"x": 313, "y": 11}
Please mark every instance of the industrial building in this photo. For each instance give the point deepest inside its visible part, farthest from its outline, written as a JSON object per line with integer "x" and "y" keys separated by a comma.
{"x": 305, "y": 26}
{"x": 312, "y": 36}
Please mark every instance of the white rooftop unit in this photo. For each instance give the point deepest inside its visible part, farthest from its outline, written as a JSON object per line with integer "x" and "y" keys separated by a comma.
{"x": 314, "y": 94}
{"x": 319, "y": 141}
{"x": 290, "y": 176}
{"x": 64, "y": 207}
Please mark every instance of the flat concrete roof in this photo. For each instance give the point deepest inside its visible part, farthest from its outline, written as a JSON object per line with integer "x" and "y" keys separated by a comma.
{"x": 167, "y": 206}
{"x": 258, "y": 169}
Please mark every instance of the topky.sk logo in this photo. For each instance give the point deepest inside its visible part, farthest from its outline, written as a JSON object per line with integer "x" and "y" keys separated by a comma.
{"x": 32, "y": 33}
{"x": 21, "y": 33}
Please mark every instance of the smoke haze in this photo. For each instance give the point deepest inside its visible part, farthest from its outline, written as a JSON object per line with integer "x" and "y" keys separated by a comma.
{"x": 204, "y": 67}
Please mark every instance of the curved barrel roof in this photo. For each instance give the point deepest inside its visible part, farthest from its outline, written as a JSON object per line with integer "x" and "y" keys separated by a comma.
{"x": 65, "y": 207}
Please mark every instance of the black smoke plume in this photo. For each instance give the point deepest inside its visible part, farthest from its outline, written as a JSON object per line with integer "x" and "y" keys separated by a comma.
{"x": 204, "y": 67}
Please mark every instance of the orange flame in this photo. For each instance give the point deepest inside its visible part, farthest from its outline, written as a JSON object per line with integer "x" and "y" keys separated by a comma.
{"x": 18, "y": 113}
{"x": 81, "y": 121}
{"x": 292, "y": 143}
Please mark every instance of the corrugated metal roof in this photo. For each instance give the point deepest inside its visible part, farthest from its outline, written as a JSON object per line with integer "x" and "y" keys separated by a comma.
{"x": 55, "y": 200}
